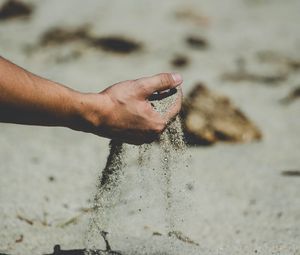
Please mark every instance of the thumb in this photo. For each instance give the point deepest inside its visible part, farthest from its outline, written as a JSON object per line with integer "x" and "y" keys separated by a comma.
{"x": 159, "y": 82}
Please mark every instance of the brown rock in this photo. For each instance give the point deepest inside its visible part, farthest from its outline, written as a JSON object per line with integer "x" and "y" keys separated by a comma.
{"x": 15, "y": 9}
{"x": 209, "y": 117}
{"x": 242, "y": 74}
{"x": 197, "y": 42}
{"x": 180, "y": 61}
{"x": 116, "y": 43}
{"x": 292, "y": 96}
{"x": 58, "y": 35}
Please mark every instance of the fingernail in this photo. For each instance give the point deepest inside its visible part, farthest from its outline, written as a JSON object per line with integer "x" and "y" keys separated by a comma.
{"x": 177, "y": 78}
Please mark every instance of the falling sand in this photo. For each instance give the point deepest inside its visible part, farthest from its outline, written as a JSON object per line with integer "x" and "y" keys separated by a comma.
{"x": 110, "y": 194}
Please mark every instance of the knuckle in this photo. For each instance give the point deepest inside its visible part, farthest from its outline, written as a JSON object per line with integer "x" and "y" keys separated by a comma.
{"x": 140, "y": 86}
{"x": 165, "y": 79}
{"x": 143, "y": 89}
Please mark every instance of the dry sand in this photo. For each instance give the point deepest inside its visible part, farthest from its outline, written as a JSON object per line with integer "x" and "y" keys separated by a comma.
{"x": 242, "y": 204}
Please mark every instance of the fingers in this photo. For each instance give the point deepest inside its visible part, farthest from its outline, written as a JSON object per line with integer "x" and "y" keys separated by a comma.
{"x": 159, "y": 82}
{"x": 174, "y": 109}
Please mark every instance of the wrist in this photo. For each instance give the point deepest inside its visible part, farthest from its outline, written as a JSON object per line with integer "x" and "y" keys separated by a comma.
{"x": 90, "y": 111}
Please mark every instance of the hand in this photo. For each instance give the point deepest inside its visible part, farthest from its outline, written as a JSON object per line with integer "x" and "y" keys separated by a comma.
{"x": 123, "y": 111}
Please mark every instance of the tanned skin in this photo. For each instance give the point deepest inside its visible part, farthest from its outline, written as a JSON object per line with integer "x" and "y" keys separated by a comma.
{"x": 122, "y": 111}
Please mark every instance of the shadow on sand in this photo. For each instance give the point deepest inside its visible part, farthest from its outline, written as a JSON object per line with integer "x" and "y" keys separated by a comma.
{"x": 59, "y": 251}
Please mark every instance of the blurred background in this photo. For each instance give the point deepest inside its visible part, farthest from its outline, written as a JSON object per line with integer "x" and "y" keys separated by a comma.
{"x": 240, "y": 62}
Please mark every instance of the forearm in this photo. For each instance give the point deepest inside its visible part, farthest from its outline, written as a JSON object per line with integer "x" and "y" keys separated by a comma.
{"x": 122, "y": 111}
{"x": 28, "y": 99}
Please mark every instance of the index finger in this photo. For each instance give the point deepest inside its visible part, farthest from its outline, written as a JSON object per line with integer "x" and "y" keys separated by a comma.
{"x": 159, "y": 82}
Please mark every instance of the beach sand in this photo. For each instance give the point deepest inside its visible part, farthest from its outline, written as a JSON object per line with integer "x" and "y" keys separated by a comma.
{"x": 242, "y": 200}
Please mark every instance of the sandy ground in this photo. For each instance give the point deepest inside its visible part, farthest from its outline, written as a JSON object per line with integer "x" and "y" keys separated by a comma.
{"x": 242, "y": 204}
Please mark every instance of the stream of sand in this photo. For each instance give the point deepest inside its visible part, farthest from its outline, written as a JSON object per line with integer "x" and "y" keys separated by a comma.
{"x": 172, "y": 153}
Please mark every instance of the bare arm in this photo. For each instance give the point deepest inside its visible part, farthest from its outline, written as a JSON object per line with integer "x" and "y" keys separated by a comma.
{"x": 122, "y": 111}
{"x": 28, "y": 99}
